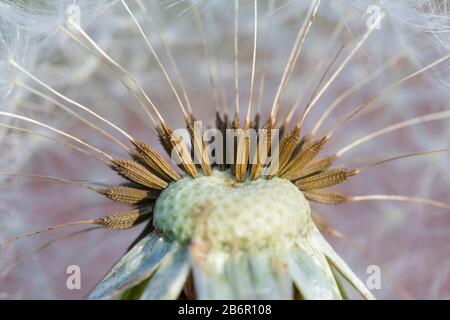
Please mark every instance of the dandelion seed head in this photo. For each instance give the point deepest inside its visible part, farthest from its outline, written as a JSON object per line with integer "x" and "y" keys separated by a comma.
{"x": 201, "y": 208}
{"x": 30, "y": 31}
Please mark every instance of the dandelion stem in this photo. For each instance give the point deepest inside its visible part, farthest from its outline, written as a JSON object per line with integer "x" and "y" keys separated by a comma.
{"x": 337, "y": 30}
{"x": 310, "y": 105}
{"x": 376, "y": 197}
{"x": 262, "y": 81}
{"x": 169, "y": 55}
{"x": 427, "y": 118}
{"x": 250, "y": 99}
{"x": 211, "y": 73}
{"x": 355, "y": 88}
{"x": 155, "y": 55}
{"x": 34, "y": 233}
{"x": 295, "y": 52}
{"x": 135, "y": 91}
{"x": 18, "y": 262}
{"x": 402, "y": 156}
{"x": 51, "y": 178}
{"x": 67, "y": 144}
{"x": 321, "y": 80}
{"x": 236, "y": 56}
{"x": 384, "y": 91}
{"x": 60, "y": 95}
{"x": 41, "y": 124}
{"x": 76, "y": 115}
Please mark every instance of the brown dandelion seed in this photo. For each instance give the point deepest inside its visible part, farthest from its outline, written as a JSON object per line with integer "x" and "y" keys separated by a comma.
{"x": 128, "y": 195}
{"x": 136, "y": 172}
{"x": 150, "y": 157}
{"x": 325, "y": 196}
{"x": 286, "y": 148}
{"x": 263, "y": 150}
{"x": 175, "y": 146}
{"x": 125, "y": 219}
{"x": 242, "y": 153}
{"x": 305, "y": 155}
{"x": 325, "y": 179}
{"x": 314, "y": 167}
{"x": 199, "y": 145}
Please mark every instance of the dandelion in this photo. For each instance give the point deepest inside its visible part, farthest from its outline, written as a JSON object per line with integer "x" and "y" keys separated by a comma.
{"x": 227, "y": 206}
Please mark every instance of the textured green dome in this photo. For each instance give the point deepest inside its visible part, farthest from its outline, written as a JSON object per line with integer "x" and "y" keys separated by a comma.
{"x": 228, "y": 215}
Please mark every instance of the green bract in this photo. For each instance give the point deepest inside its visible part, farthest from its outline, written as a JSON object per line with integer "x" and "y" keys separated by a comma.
{"x": 250, "y": 240}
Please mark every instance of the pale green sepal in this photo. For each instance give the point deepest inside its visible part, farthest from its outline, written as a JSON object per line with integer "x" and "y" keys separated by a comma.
{"x": 169, "y": 279}
{"x": 336, "y": 261}
{"x": 242, "y": 276}
{"x": 211, "y": 282}
{"x": 135, "y": 266}
{"x": 134, "y": 293}
{"x": 340, "y": 284}
{"x": 310, "y": 278}
{"x": 270, "y": 277}
{"x": 238, "y": 277}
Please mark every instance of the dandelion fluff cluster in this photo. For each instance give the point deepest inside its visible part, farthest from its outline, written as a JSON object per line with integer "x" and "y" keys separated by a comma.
{"x": 422, "y": 26}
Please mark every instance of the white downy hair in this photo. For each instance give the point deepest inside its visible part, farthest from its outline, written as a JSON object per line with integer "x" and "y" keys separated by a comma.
{"x": 408, "y": 241}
